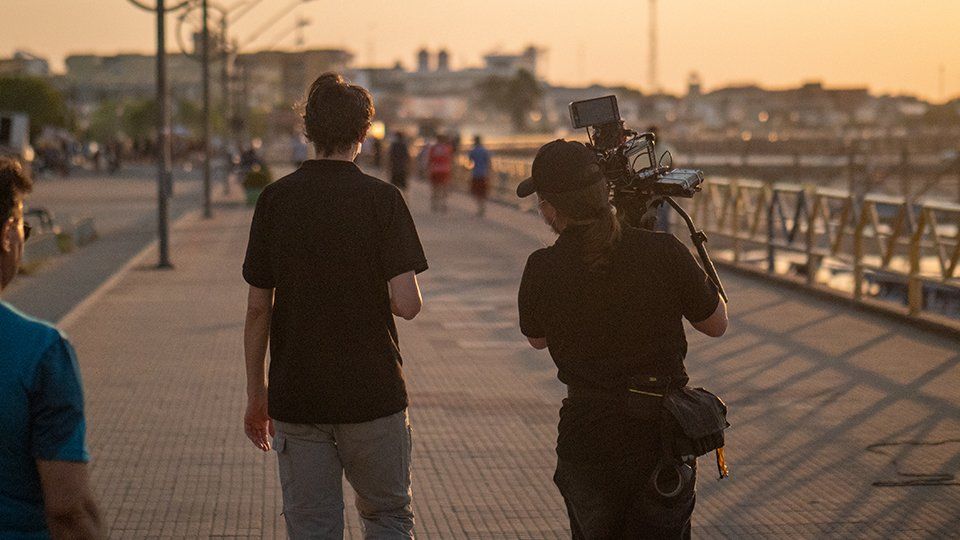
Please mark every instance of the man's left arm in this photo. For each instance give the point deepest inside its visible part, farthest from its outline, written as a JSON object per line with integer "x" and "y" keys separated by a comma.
{"x": 401, "y": 257}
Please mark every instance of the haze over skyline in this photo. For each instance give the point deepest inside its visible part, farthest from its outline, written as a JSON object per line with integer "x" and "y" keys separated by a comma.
{"x": 891, "y": 46}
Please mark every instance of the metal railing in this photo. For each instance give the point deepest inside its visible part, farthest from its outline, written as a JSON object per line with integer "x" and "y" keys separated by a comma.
{"x": 917, "y": 242}
{"x": 870, "y": 236}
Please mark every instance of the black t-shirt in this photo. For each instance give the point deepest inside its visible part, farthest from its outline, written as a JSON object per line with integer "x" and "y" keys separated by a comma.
{"x": 328, "y": 238}
{"x": 603, "y": 328}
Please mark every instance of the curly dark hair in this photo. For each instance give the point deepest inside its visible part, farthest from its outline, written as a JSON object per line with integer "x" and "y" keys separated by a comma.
{"x": 14, "y": 184}
{"x": 337, "y": 114}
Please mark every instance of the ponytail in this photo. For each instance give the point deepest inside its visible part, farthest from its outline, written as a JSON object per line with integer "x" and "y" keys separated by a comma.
{"x": 600, "y": 239}
{"x": 590, "y": 206}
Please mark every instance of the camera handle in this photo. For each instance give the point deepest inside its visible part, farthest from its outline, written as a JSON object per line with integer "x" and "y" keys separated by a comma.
{"x": 699, "y": 239}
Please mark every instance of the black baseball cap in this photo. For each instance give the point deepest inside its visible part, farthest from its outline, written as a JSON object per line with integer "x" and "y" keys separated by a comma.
{"x": 561, "y": 166}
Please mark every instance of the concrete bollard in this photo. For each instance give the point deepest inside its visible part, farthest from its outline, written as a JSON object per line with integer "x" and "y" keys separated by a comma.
{"x": 84, "y": 232}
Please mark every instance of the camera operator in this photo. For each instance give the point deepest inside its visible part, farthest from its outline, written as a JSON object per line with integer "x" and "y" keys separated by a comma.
{"x": 608, "y": 302}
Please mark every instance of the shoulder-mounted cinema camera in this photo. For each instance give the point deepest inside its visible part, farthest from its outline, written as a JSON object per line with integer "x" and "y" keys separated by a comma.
{"x": 637, "y": 177}
{"x": 639, "y": 181}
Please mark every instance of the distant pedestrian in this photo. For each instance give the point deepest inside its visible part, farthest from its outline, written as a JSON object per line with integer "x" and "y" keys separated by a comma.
{"x": 44, "y": 488}
{"x": 249, "y": 159}
{"x": 332, "y": 252}
{"x": 480, "y": 174}
{"x": 440, "y": 167}
{"x": 95, "y": 153}
{"x": 399, "y": 161}
{"x": 114, "y": 156}
{"x": 377, "y": 153}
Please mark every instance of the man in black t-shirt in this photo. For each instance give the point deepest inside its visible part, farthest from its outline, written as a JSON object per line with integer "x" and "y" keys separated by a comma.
{"x": 609, "y": 302}
{"x": 332, "y": 257}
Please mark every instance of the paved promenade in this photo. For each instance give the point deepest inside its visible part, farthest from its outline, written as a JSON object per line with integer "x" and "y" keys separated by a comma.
{"x": 844, "y": 424}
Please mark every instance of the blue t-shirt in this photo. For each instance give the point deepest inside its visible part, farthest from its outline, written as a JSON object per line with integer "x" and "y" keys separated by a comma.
{"x": 480, "y": 157}
{"x": 42, "y": 417}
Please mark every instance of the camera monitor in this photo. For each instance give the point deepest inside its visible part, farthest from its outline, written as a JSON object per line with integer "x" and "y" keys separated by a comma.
{"x": 594, "y": 112}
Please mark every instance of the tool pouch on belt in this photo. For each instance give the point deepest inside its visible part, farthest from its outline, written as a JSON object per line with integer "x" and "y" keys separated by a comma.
{"x": 692, "y": 421}
{"x": 696, "y": 418}
{"x": 691, "y": 424}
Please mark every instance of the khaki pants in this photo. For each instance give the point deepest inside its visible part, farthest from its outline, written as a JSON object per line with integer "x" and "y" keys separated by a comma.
{"x": 375, "y": 456}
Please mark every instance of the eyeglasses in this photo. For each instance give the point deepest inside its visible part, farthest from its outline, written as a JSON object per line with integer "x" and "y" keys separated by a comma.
{"x": 26, "y": 232}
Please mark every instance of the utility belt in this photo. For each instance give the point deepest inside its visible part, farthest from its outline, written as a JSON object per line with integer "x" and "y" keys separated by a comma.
{"x": 691, "y": 423}
{"x": 651, "y": 387}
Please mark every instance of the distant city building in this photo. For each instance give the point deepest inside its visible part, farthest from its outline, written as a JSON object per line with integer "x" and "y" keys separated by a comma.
{"x": 423, "y": 61}
{"x": 275, "y": 79}
{"x": 24, "y": 64}
{"x": 437, "y": 93}
{"x": 443, "y": 60}
{"x": 506, "y": 65}
{"x": 262, "y": 80}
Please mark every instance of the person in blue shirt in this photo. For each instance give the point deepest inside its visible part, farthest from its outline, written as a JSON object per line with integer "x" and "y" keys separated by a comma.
{"x": 44, "y": 486}
{"x": 480, "y": 174}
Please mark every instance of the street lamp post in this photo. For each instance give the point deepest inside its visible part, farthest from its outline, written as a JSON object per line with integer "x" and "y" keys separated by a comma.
{"x": 164, "y": 177}
{"x": 205, "y": 43}
{"x": 163, "y": 146}
{"x": 205, "y": 77}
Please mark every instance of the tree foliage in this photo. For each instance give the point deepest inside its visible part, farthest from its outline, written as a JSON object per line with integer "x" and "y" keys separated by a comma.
{"x": 37, "y": 98}
{"x": 106, "y": 122}
{"x": 516, "y": 96}
{"x": 136, "y": 119}
{"x": 140, "y": 119}
{"x": 189, "y": 114}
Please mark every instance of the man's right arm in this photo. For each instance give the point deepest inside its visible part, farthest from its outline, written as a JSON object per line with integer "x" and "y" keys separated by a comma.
{"x": 68, "y": 502}
{"x": 256, "y": 335}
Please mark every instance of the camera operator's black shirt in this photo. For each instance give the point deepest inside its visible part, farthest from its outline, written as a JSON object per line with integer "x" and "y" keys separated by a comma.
{"x": 327, "y": 238}
{"x": 604, "y": 327}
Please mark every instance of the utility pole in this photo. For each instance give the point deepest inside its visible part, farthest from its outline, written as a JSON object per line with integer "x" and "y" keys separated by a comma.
{"x": 163, "y": 146}
{"x": 652, "y": 61}
{"x": 205, "y": 44}
{"x": 224, "y": 75}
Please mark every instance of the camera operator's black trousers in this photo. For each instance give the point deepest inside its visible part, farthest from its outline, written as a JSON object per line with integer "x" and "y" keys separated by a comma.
{"x": 611, "y": 499}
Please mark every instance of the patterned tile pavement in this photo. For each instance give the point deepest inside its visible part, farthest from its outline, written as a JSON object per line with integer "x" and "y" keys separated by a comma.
{"x": 811, "y": 388}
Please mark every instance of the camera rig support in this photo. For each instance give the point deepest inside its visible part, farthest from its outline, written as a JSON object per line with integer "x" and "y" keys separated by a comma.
{"x": 699, "y": 239}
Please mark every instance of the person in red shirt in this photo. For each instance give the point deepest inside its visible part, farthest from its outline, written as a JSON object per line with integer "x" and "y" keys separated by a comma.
{"x": 440, "y": 165}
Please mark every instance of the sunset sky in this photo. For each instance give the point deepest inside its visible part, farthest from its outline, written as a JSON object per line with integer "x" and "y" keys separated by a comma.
{"x": 889, "y": 45}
